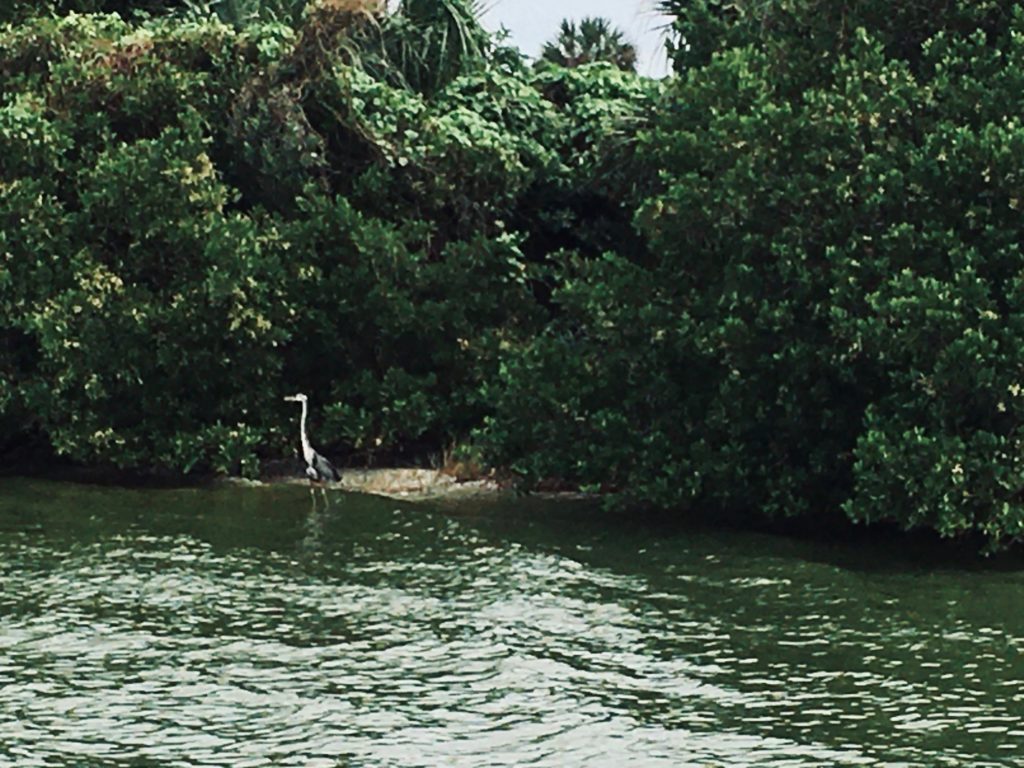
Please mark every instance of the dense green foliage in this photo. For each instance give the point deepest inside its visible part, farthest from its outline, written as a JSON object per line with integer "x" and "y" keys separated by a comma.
{"x": 787, "y": 281}
{"x": 197, "y": 220}
{"x": 830, "y": 314}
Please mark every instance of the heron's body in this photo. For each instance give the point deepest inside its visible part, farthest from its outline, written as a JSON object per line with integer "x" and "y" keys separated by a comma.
{"x": 321, "y": 470}
{"x": 318, "y": 469}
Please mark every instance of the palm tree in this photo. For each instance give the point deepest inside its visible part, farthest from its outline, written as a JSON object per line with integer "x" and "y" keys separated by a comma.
{"x": 595, "y": 39}
{"x": 419, "y": 44}
{"x": 431, "y": 42}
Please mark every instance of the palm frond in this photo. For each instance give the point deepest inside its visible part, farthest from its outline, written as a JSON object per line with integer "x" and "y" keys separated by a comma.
{"x": 593, "y": 39}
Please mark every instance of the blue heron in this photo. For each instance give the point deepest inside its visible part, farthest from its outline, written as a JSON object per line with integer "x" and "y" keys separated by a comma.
{"x": 318, "y": 469}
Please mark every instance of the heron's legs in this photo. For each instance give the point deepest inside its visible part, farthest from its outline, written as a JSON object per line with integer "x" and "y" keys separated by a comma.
{"x": 313, "y": 485}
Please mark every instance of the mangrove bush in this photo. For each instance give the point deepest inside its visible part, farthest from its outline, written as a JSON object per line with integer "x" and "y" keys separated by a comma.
{"x": 785, "y": 281}
{"x": 826, "y": 313}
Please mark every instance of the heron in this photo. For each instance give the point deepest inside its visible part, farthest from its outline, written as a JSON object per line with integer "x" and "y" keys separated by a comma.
{"x": 318, "y": 469}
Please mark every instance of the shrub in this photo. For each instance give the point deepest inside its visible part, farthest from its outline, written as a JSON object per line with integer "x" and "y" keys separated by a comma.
{"x": 167, "y": 274}
{"x": 826, "y": 313}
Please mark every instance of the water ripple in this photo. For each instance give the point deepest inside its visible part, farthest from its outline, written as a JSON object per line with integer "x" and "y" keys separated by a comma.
{"x": 234, "y": 629}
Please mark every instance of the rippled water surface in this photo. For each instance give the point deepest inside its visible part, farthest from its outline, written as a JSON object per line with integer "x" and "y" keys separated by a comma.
{"x": 244, "y": 627}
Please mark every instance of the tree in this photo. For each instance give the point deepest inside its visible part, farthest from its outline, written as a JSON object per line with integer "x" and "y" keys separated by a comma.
{"x": 17, "y": 10}
{"x": 828, "y": 311}
{"x": 429, "y": 43}
{"x": 595, "y": 39}
{"x": 817, "y": 29}
{"x": 240, "y": 13}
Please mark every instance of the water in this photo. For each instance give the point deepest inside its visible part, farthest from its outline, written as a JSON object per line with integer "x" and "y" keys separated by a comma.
{"x": 243, "y": 627}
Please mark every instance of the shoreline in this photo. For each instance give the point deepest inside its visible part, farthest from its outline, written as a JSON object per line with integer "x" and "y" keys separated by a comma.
{"x": 399, "y": 483}
{"x": 407, "y": 483}
{"x": 412, "y": 484}
{"x": 438, "y": 486}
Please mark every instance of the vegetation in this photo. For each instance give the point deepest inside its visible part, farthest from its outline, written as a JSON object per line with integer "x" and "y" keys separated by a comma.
{"x": 593, "y": 40}
{"x": 787, "y": 280}
{"x": 827, "y": 311}
{"x": 198, "y": 218}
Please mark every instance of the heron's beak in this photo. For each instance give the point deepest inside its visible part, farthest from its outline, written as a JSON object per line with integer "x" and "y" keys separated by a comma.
{"x": 291, "y": 399}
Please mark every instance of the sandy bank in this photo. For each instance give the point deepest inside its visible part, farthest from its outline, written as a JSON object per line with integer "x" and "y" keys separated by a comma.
{"x": 397, "y": 483}
{"x": 412, "y": 485}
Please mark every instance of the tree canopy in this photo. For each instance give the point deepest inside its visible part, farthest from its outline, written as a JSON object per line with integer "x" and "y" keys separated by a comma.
{"x": 592, "y": 40}
{"x": 785, "y": 282}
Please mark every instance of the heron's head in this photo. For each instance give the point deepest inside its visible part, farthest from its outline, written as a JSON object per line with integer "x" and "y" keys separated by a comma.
{"x": 300, "y": 398}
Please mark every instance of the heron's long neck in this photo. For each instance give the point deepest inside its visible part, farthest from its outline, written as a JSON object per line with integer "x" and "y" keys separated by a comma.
{"x": 307, "y": 449}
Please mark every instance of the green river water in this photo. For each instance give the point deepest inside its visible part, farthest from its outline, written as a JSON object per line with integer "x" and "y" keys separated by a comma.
{"x": 248, "y": 627}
